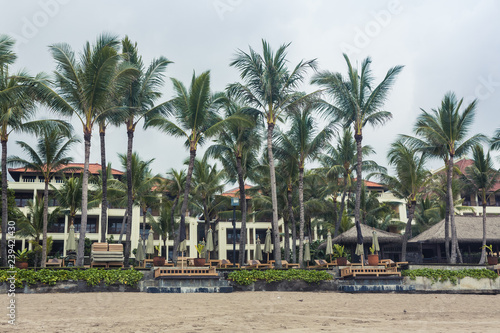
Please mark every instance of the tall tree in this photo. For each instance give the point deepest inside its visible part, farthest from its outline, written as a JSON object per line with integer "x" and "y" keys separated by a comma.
{"x": 49, "y": 157}
{"x": 164, "y": 224}
{"x": 303, "y": 142}
{"x": 140, "y": 98}
{"x": 236, "y": 148}
{"x": 84, "y": 87}
{"x": 357, "y": 101}
{"x": 174, "y": 186}
{"x": 195, "y": 111}
{"x": 408, "y": 182}
{"x": 495, "y": 141}
{"x": 482, "y": 178}
{"x": 270, "y": 87}
{"x": 443, "y": 133}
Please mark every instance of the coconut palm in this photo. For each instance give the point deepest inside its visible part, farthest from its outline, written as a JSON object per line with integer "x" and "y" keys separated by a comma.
{"x": 69, "y": 196}
{"x": 358, "y": 102}
{"x": 443, "y": 133}
{"x": 139, "y": 99}
{"x": 196, "y": 113}
{"x": 49, "y": 158}
{"x": 31, "y": 225}
{"x": 495, "y": 141}
{"x": 164, "y": 224}
{"x": 341, "y": 161}
{"x": 270, "y": 87}
{"x": 303, "y": 142}
{"x": 18, "y": 94}
{"x": 482, "y": 178}
{"x": 236, "y": 148}
{"x": 411, "y": 177}
{"x": 85, "y": 86}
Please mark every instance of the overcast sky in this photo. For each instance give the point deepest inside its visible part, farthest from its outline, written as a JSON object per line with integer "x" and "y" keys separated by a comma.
{"x": 444, "y": 46}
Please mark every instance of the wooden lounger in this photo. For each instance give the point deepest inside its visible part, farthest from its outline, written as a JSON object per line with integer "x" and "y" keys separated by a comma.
{"x": 324, "y": 264}
{"x": 257, "y": 264}
{"x": 224, "y": 263}
{"x": 284, "y": 264}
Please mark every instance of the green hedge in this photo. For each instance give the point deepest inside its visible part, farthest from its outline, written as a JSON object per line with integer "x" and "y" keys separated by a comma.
{"x": 246, "y": 277}
{"x": 443, "y": 275}
{"x": 92, "y": 276}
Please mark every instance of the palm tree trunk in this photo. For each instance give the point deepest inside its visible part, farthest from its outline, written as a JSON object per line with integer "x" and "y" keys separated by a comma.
{"x": 165, "y": 247}
{"x": 359, "y": 182}
{"x": 243, "y": 206}
{"x": 454, "y": 240}
{"x": 45, "y": 221}
{"x": 274, "y": 199}
{"x": 342, "y": 207}
{"x": 483, "y": 251}
{"x": 172, "y": 232}
{"x": 192, "y": 156}
{"x": 104, "y": 175}
{"x": 292, "y": 223}
{"x": 407, "y": 234}
{"x": 130, "y": 198}
{"x": 302, "y": 217}
{"x": 144, "y": 211}
{"x": 4, "y": 203}
{"x": 85, "y": 191}
{"x": 206, "y": 217}
{"x": 447, "y": 219}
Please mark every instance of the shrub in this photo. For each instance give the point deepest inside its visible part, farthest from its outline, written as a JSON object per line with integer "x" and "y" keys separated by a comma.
{"x": 443, "y": 275}
{"x": 246, "y": 277}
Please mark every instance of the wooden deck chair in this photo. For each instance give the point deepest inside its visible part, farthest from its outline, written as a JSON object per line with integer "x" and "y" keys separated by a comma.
{"x": 324, "y": 264}
{"x": 225, "y": 263}
{"x": 54, "y": 262}
{"x": 252, "y": 264}
{"x": 284, "y": 264}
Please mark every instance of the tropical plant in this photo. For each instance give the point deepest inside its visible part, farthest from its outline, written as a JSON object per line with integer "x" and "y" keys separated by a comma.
{"x": 302, "y": 142}
{"x": 196, "y": 113}
{"x": 443, "y": 133}
{"x": 270, "y": 87}
{"x": 357, "y": 101}
{"x": 495, "y": 141}
{"x": 84, "y": 89}
{"x": 408, "y": 182}
{"x": 49, "y": 158}
{"x": 339, "y": 251}
{"x": 482, "y": 178}
{"x": 139, "y": 99}
{"x": 236, "y": 148}
{"x": 164, "y": 225}
{"x": 22, "y": 256}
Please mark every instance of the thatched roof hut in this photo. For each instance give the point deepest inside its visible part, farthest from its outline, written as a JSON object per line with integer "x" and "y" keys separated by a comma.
{"x": 350, "y": 236}
{"x": 469, "y": 230}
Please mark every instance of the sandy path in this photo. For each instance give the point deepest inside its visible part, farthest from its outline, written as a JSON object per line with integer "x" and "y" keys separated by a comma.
{"x": 254, "y": 311}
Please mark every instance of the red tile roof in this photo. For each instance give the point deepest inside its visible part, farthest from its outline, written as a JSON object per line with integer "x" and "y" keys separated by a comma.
{"x": 94, "y": 169}
{"x": 234, "y": 193}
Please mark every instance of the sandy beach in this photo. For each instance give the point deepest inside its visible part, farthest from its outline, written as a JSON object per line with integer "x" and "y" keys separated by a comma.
{"x": 253, "y": 311}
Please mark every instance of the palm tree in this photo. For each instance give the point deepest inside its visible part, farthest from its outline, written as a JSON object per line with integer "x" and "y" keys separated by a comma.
{"x": 303, "y": 142}
{"x": 411, "y": 176}
{"x": 69, "y": 196}
{"x": 164, "y": 225}
{"x": 358, "y": 102}
{"x": 495, "y": 141}
{"x": 270, "y": 87}
{"x": 196, "y": 113}
{"x": 341, "y": 161}
{"x": 18, "y": 94}
{"x": 443, "y": 133}
{"x": 84, "y": 89}
{"x": 139, "y": 99}
{"x": 49, "y": 158}
{"x": 174, "y": 186}
{"x": 207, "y": 182}
{"x": 482, "y": 178}
{"x": 236, "y": 148}
{"x": 31, "y": 225}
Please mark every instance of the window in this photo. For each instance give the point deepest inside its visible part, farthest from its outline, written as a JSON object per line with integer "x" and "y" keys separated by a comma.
{"x": 29, "y": 179}
{"x": 145, "y": 233}
{"x": 57, "y": 227}
{"x": 91, "y": 224}
{"x": 230, "y": 235}
{"x": 22, "y": 199}
{"x": 115, "y": 225}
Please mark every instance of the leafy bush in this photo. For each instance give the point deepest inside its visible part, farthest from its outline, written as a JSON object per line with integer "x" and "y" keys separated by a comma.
{"x": 92, "y": 276}
{"x": 443, "y": 275}
{"x": 246, "y": 277}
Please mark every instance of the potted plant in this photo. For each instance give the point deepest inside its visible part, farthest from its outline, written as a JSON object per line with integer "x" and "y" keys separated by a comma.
{"x": 199, "y": 261}
{"x": 158, "y": 260}
{"x": 492, "y": 260}
{"x": 22, "y": 258}
{"x": 340, "y": 254}
{"x": 372, "y": 257}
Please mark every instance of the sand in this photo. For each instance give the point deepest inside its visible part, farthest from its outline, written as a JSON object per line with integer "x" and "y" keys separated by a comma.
{"x": 254, "y": 311}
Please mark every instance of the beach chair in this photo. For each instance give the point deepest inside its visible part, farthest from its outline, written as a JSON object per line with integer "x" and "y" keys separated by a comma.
{"x": 284, "y": 264}
{"x": 252, "y": 264}
{"x": 324, "y": 264}
{"x": 224, "y": 263}
{"x": 54, "y": 262}
{"x": 106, "y": 255}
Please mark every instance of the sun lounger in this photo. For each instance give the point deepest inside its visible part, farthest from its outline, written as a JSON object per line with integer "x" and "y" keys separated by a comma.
{"x": 285, "y": 264}
{"x": 107, "y": 255}
{"x": 54, "y": 262}
{"x": 224, "y": 263}
{"x": 252, "y": 264}
{"x": 324, "y": 264}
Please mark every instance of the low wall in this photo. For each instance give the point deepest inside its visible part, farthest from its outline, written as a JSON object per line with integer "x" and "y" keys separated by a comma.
{"x": 465, "y": 285}
{"x": 68, "y": 287}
